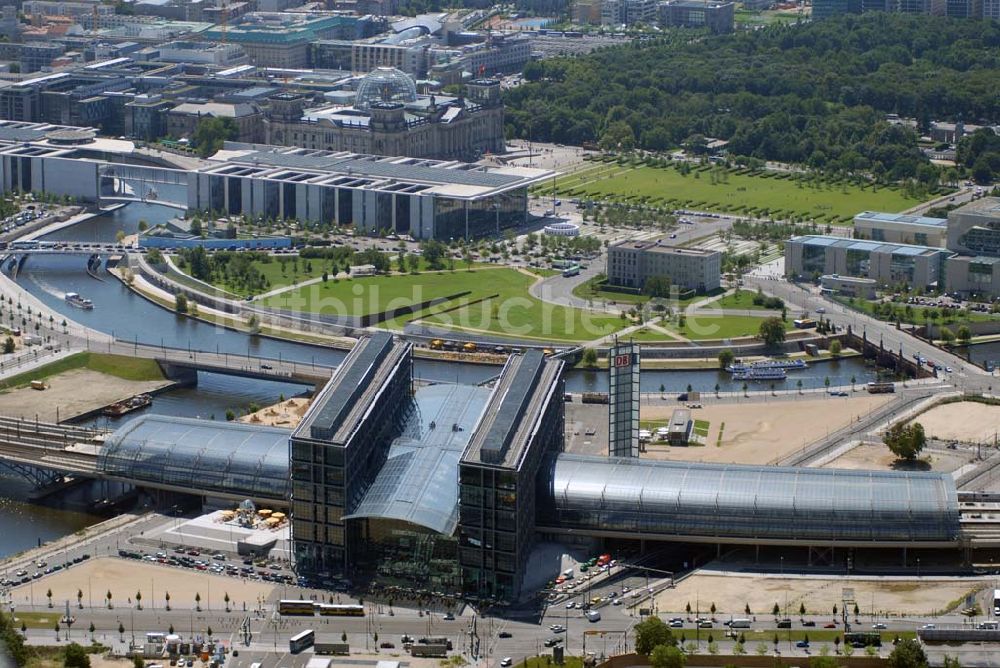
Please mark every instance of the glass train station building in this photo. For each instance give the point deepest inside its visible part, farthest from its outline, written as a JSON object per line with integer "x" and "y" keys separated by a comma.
{"x": 448, "y": 487}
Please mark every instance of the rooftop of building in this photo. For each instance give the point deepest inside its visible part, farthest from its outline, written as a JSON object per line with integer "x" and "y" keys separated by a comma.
{"x": 216, "y": 109}
{"x": 419, "y": 481}
{"x": 984, "y": 206}
{"x": 901, "y": 218}
{"x": 659, "y": 246}
{"x": 280, "y": 27}
{"x": 762, "y": 502}
{"x": 975, "y": 259}
{"x": 869, "y": 246}
{"x": 519, "y": 397}
{"x": 222, "y": 457}
{"x": 699, "y": 4}
{"x": 854, "y": 280}
{"x": 340, "y": 406}
{"x": 459, "y": 180}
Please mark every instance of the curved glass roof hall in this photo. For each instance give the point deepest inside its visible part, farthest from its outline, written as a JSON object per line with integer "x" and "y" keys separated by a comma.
{"x": 751, "y": 502}
{"x": 200, "y": 456}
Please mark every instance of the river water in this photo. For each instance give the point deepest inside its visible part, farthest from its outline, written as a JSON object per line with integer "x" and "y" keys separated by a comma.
{"x": 120, "y": 312}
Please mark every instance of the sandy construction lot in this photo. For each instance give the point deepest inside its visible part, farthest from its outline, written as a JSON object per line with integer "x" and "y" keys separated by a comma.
{"x": 763, "y": 432}
{"x": 731, "y": 593}
{"x": 125, "y": 577}
{"x": 963, "y": 421}
{"x": 73, "y": 392}
{"x": 877, "y": 457}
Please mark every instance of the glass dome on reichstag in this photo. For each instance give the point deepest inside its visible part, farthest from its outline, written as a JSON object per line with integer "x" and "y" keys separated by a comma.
{"x": 385, "y": 84}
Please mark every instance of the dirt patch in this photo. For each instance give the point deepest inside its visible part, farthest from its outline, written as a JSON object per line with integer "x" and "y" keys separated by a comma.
{"x": 732, "y": 593}
{"x": 763, "y": 432}
{"x": 966, "y": 421}
{"x": 125, "y": 577}
{"x": 72, "y": 393}
{"x": 876, "y": 456}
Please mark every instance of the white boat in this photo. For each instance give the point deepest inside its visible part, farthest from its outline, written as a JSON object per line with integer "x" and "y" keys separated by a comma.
{"x": 74, "y": 299}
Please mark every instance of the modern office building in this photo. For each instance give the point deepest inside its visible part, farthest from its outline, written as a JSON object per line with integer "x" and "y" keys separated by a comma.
{"x": 39, "y": 55}
{"x": 631, "y": 263}
{"x": 849, "y": 286}
{"x": 520, "y": 430}
{"x": 282, "y": 39}
{"x": 341, "y": 445}
{"x": 717, "y": 16}
{"x": 974, "y": 229}
{"x": 889, "y": 264}
{"x": 623, "y": 399}
{"x": 388, "y": 117}
{"x": 899, "y": 228}
{"x": 426, "y": 199}
{"x": 973, "y": 275}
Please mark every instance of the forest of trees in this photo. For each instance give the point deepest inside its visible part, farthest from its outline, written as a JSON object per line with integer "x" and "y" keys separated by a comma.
{"x": 815, "y": 94}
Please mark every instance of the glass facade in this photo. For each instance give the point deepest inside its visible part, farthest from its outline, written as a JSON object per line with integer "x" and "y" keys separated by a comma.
{"x": 754, "y": 503}
{"x": 331, "y": 471}
{"x": 813, "y": 259}
{"x": 200, "y": 456}
{"x": 983, "y": 239}
{"x": 484, "y": 215}
{"x": 497, "y": 501}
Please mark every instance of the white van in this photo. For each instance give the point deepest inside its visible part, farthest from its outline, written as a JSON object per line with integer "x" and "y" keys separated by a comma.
{"x": 593, "y": 616}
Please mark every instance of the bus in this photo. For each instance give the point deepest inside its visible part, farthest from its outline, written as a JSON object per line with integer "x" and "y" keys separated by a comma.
{"x": 863, "y": 639}
{"x": 804, "y": 323}
{"x": 996, "y": 602}
{"x": 302, "y": 640}
{"x": 880, "y": 388}
{"x": 23, "y": 245}
{"x": 294, "y": 607}
{"x": 337, "y": 610}
{"x": 571, "y": 271}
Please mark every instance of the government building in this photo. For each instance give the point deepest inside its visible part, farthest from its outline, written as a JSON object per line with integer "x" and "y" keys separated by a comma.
{"x": 386, "y": 116}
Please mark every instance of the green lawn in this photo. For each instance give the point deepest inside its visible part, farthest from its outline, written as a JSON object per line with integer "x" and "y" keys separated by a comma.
{"x": 951, "y": 319}
{"x": 701, "y": 427}
{"x": 782, "y": 197}
{"x": 512, "y": 311}
{"x": 739, "y": 300}
{"x": 374, "y": 294}
{"x": 708, "y": 326}
{"x": 288, "y": 273}
{"x": 129, "y": 368}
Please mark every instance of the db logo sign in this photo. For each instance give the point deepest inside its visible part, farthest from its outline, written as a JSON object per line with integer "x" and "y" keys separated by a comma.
{"x": 622, "y": 360}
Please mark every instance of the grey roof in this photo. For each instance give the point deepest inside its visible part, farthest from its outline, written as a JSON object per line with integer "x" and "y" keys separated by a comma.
{"x": 907, "y": 219}
{"x": 203, "y": 455}
{"x": 526, "y": 383}
{"x": 752, "y": 502}
{"x": 419, "y": 481}
{"x": 340, "y": 395}
{"x": 393, "y": 168}
{"x": 869, "y": 246}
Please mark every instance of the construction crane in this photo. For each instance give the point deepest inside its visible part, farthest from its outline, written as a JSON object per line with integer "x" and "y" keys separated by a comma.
{"x": 224, "y": 22}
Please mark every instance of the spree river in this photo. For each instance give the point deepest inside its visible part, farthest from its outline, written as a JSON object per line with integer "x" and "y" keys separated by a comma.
{"x": 127, "y": 316}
